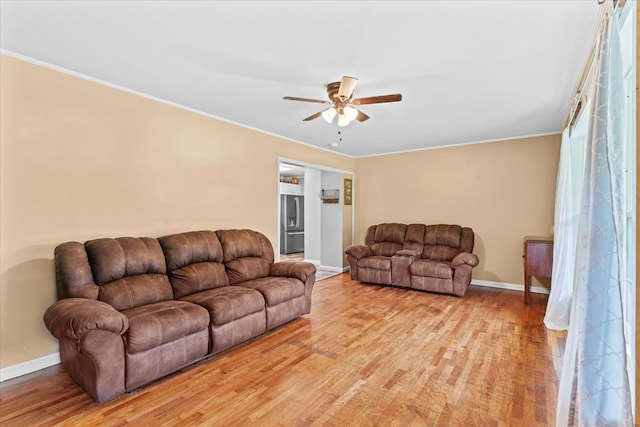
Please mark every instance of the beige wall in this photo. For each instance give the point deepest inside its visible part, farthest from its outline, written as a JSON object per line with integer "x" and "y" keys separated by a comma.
{"x": 503, "y": 190}
{"x": 80, "y": 160}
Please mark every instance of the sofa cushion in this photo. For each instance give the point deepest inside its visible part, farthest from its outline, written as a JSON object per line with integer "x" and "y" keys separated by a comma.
{"x": 197, "y": 277}
{"x": 190, "y": 248}
{"x": 375, "y": 262}
{"x": 243, "y": 269}
{"x": 248, "y": 254}
{"x": 244, "y": 243}
{"x": 276, "y": 290}
{"x": 228, "y": 303}
{"x": 136, "y": 291}
{"x": 130, "y": 271}
{"x": 152, "y": 325}
{"x": 194, "y": 262}
{"x": 429, "y": 268}
{"x": 112, "y": 259}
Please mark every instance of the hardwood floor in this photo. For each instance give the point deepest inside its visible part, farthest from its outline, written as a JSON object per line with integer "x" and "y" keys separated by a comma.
{"x": 366, "y": 355}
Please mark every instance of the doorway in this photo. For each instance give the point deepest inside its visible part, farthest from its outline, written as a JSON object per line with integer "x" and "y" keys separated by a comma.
{"x": 325, "y": 228}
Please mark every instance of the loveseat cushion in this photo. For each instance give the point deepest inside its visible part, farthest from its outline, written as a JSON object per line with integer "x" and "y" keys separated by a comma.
{"x": 228, "y": 303}
{"x": 130, "y": 272}
{"x": 375, "y": 262}
{"x": 386, "y": 239}
{"x": 386, "y": 232}
{"x": 385, "y": 249}
{"x": 443, "y": 234}
{"x": 442, "y": 242}
{"x": 429, "y": 268}
{"x": 276, "y": 290}
{"x": 194, "y": 262}
{"x": 155, "y": 324}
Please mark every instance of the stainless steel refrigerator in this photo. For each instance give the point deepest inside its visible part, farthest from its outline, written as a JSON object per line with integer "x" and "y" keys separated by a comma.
{"x": 291, "y": 224}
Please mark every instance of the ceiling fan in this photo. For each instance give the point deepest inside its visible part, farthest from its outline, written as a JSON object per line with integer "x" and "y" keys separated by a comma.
{"x": 340, "y": 94}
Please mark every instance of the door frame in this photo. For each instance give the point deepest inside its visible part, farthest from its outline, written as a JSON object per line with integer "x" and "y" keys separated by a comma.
{"x": 321, "y": 168}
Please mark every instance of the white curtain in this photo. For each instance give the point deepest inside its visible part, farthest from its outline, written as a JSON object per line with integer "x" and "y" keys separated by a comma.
{"x": 565, "y": 224}
{"x": 594, "y": 386}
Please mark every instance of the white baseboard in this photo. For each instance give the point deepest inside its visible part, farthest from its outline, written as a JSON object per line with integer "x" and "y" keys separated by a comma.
{"x": 29, "y": 366}
{"x": 318, "y": 264}
{"x": 510, "y": 286}
{"x": 326, "y": 267}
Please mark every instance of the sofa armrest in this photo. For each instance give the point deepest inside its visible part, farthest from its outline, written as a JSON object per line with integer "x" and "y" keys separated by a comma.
{"x": 72, "y": 318}
{"x": 465, "y": 258}
{"x": 400, "y": 264}
{"x": 304, "y": 271}
{"x": 359, "y": 251}
{"x": 297, "y": 269}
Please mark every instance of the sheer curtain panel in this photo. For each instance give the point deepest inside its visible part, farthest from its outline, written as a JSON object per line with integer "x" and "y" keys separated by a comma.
{"x": 565, "y": 225}
{"x": 594, "y": 387}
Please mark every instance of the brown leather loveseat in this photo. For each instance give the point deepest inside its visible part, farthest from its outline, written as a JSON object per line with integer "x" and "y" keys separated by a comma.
{"x": 435, "y": 258}
{"x": 132, "y": 310}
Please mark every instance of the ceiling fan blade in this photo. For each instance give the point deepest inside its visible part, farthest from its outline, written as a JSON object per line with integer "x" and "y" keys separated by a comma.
{"x": 293, "y": 98}
{"x": 361, "y": 117}
{"x": 378, "y": 99}
{"x": 347, "y": 85}
{"x": 313, "y": 116}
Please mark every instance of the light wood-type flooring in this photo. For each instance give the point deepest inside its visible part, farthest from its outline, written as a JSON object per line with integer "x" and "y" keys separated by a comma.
{"x": 366, "y": 356}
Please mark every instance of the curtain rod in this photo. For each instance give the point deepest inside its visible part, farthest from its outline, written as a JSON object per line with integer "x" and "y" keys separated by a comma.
{"x": 577, "y": 100}
{"x": 616, "y": 3}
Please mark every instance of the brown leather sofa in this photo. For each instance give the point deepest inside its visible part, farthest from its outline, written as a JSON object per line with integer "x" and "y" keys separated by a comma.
{"x": 132, "y": 310}
{"x": 435, "y": 258}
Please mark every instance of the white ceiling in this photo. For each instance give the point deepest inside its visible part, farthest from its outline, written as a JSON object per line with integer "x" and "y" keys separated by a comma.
{"x": 468, "y": 71}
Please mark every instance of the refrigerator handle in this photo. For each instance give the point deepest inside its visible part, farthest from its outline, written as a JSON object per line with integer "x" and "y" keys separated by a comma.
{"x": 297, "y": 199}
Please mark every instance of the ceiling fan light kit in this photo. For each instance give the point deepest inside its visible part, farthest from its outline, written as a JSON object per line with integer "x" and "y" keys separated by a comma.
{"x": 343, "y": 120}
{"x": 340, "y": 94}
{"x": 329, "y": 114}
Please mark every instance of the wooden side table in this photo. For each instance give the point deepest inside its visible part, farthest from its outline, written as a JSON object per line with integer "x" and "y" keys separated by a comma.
{"x": 538, "y": 260}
